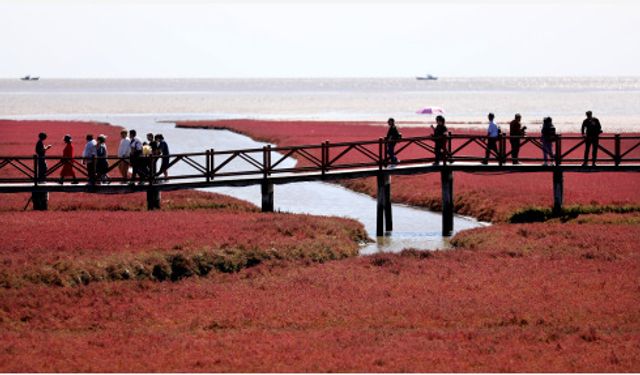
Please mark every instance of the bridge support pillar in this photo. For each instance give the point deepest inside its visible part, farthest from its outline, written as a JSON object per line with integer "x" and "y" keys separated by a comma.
{"x": 558, "y": 191}
{"x": 267, "y": 196}
{"x": 40, "y": 200}
{"x": 446, "y": 179}
{"x": 153, "y": 199}
{"x": 384, "y": 217}
{"x": 388, "y": 217}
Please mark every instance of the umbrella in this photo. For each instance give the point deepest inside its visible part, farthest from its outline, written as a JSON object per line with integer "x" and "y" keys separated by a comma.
{"x": 431, "y": 111}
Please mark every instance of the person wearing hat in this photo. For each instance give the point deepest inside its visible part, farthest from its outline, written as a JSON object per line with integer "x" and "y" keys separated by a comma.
{"x": 67, "y": 161}
{"x": 41, "y": 151}
{"x": 102, "y": 164}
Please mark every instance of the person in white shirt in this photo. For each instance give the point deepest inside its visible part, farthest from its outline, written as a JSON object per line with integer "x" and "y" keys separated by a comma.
{"x": 89, "y": 158}
{"x": 492, "y": 139}
{"x": 123, "y": 153}
{"x": 136, "y": 155}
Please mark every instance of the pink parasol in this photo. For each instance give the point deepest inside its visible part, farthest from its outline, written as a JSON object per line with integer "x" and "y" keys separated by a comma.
{"x": 431, "y": 111}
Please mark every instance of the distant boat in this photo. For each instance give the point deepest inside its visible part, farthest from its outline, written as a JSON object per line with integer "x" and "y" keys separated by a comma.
{"x": 29, "y": 78}
{"x": 428, "y": 77}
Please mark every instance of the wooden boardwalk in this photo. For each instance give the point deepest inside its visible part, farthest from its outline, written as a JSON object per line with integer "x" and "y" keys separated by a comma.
{"x": 328, "y": 162}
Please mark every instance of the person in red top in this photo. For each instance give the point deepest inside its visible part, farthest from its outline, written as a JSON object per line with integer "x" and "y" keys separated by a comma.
{"x": 67, "y": 160}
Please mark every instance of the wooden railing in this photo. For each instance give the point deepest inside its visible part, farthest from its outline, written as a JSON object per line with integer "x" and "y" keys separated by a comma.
{"x": 613, "y": 150}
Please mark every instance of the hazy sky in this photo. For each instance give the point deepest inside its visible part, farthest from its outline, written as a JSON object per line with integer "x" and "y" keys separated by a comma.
{"x": 306, "y": 39}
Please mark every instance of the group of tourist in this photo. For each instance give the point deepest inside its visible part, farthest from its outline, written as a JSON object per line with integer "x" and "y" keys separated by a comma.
{"x": 140, "y": 157}
{"x": 591, "y": 130}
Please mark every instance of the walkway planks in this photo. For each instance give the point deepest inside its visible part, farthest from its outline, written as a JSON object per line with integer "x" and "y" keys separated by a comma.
{"x": 328, "y": 162}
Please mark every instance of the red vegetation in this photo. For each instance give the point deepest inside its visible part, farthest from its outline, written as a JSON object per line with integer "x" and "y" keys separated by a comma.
{"x": 65, "y": 243}
{"x": 487, "y": 197}
{"x": 550, "y": 297}
{"x": 490, "y": 307}
{"x": 91, "y": 237}
{"x": 18, "y": 138}
{"x": 171, "y": 200}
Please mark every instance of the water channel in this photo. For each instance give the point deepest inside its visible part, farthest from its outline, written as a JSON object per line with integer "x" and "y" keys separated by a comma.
{"x": 413, "y": 227}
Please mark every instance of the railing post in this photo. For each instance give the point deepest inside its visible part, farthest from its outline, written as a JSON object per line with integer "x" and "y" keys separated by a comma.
{"x": 91, "y": 171}
{"x": 382, "y": 153}
{"x": 501, "y": 149}
{"x": 212, "y": 152}
{"x": 35, "y": 170}
{"x": 448, "y": 155}
{"x": 208, "y": 165}
{"x": 266, "y": 188}
{"x": 558, "y": 149}
{"x": 266, "y": 160}
{"x": 617, "y": 150}
{"x": 152, "y": 169}
{"x": 328, "y": 157}
{"x": 323, "y": 157}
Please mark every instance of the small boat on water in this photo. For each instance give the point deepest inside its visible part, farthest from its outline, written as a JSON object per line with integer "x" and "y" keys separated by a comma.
{"x": 29, "y": 78}
{"x": 428, "y": 77}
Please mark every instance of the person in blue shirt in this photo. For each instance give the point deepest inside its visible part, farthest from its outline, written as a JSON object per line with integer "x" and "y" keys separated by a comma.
{"x": 492, "y": 139}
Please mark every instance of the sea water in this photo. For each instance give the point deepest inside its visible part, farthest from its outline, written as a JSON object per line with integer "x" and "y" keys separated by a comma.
{"x": 614, "y": 100}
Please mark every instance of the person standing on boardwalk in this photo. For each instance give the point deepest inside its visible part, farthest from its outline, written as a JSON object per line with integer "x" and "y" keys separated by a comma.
{"x": 136, "y": 157}
{"x": 163, "y": 149}
{"x": 41, "y": 151}
{"x": 124, "y": 151}
{"x": 67, "y": 161}
{"x": 89, "y": 158}
{"x": 393, "y": 135}
{"x": 548, "y": 137}
{"x": 492, "y": 139}
{"x": 102, "y": 164}
{"x": 439, "y": 133}
{"x": 591, "y": 130}
{"x": 152, "y": 161}
{"x": 516, "y": 131}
